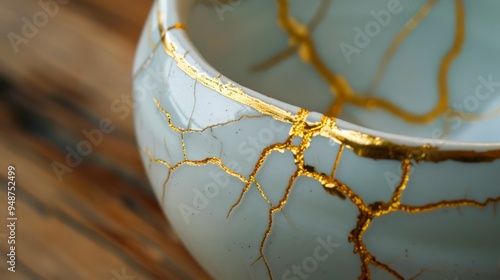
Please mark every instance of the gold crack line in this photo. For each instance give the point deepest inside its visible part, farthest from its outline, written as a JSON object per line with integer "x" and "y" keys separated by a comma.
{"x": 448, "y": 204}
{"x": 361, "y": 228}
{"x": 362, "y": 144}
{"x": 337, "y": 160}
{"x": 274, "y": 209}
{"x": 443, "y": 72}
{"x": 441, "y": 107}
{"x": 386, "y": 267}
{"x": 308, "y": 51}
{"x": 377, "y": 148}
{"x": 331, "y": 183}
{"x": 181, "y": 130}
{"x": 216, "y": 161}
{"x": 398, "y": 192}
{"x": 155, "y": 160}
{"x": 410, "y": 25}
{"x": 451, "y": 55}
{"x": 299, "y": 159}
{"x": 278, "y": 147}
{"x": 320, "y": 14}
{"x": 378, "y": 209}
{"x": 211, "y": 160}
{"x": 215, "y": 84}
{"x": 262, "y": 193}
{"x": 361, "y": 247}
{"x": 183, "y": 145}
{"x": 365, "y": 219}
{"x": 341, "y": 87}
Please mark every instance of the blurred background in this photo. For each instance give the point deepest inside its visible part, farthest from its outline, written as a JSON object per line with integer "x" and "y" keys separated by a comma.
{"x": 83, "y": 205}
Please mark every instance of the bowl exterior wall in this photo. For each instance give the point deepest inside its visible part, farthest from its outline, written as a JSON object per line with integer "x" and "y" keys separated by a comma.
{"x": 255, "y": 196}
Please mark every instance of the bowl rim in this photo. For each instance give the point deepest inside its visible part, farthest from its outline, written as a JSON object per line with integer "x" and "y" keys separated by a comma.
{"x": 171, "y": 11}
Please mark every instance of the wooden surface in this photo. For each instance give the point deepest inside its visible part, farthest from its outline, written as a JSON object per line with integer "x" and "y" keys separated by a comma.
{"x": 102, "y": 220}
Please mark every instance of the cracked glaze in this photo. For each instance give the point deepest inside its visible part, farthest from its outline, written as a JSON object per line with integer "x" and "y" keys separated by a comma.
{"x": 245, "y": 182}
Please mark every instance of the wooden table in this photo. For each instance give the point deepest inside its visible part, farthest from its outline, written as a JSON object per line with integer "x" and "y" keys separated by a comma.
{"x": 97, "y": 219}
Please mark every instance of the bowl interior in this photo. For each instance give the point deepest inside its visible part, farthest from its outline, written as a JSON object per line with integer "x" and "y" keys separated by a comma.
{"x": 391, "y": 70}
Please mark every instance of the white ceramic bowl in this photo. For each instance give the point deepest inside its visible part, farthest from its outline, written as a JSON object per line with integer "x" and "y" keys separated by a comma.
{"x": 258, "y": 188}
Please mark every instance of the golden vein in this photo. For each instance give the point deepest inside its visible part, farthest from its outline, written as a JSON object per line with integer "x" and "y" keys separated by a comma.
{"x": 362, "y": 144}
{"x": 410, "y": 25}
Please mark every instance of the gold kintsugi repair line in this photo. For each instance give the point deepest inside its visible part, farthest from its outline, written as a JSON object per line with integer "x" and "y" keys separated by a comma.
{"x": 267, "y": 151}
{"x": 154, "y": 160}
{"x": 262, "y": 193}
{"x": 448, "y": 59}
{"x": 454, "y": 203}
{"x": 372, "y": 103}
{"x": 367, "y": 212}
{"x": 182, "y": 132}
{"x": 299, "y": 129}
{"x": 337, "y": 160}
{"x": 188, "y": 130}
{"x": 362, "y": 144}
{"x": 211, "y": 160}
{"x": 320, "y": 14}
{"x": 228, "y": 89}
{"x": 399, "y": 39}
{"x": 300, "y": 35}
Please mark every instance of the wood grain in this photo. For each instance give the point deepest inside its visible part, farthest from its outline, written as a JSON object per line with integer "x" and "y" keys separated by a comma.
{"x": 102, "y": 220}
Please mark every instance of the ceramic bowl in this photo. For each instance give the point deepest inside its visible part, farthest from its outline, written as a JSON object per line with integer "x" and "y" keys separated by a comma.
{"x": 318, "y": 140}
